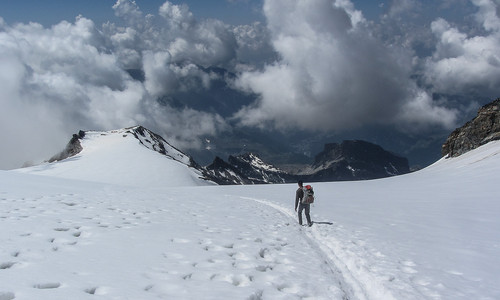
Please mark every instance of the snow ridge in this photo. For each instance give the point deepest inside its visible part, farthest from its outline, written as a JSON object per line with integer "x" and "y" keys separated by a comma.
{"x": 124, "y": 157}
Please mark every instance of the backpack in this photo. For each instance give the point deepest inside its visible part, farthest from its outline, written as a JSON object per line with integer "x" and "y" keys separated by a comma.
{"x": 308, "y": 195}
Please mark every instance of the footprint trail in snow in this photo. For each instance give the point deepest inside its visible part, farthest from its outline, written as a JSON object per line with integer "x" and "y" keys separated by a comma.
{"x": 134, "y": 244}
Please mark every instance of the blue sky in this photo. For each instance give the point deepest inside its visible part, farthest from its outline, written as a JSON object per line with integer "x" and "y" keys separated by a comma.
{"x": 49, "y": 12}
{"x": 235, "y": 12}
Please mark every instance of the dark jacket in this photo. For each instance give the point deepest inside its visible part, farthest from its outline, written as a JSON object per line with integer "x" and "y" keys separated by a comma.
{"x": 298, "y": 196}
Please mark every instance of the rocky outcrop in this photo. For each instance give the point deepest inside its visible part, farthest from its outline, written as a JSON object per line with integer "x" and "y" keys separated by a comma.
{"x": 157, "y": 143}
{"x": 484, "y": 128}
{"x": 256, "y": 170}
{"x": 72, "y": 148}
{"x": 224, "y": 173}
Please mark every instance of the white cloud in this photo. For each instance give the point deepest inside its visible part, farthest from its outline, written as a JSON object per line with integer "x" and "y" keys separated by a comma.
{"x": 184, "y": 127}
{"x": 401, "y": 7}
{"x": 333, "y": 74}
{"x": 254, "y": 44}
{"x": 159, "y": 77}
{"x": 465, "y": 63}
{"x": 421, "y": 111}
{"x": 23, "y": 120}
{"x": 315, "y": 64}
{"x": 128, "y": 9}
{"x": 177, "y": 16}
{"x": 488, "y": 14}
{"x": 207, "y": 43}
{"x": 71, "y": 76}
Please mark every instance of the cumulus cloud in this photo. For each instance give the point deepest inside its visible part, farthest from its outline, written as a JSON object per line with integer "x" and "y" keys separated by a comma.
{"x": 254, "y": 47}
{"x": 55, "y": 81}
{"x": 314, "y": 65}
{"x": 206, "y": 43}
{"x": 465, "y": 63}
{"x": 333, "y": 74}
{"x": 22, "y": 133}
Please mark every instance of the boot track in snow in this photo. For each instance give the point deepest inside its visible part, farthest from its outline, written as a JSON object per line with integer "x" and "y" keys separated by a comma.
{"x": 352, "y": 282}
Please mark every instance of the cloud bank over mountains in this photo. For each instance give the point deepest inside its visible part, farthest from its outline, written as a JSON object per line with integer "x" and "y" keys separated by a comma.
{"x": 315, "y": 65}
{"x": 334, "y": 73}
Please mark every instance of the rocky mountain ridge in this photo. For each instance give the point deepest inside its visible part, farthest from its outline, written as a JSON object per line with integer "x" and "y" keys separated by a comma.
{"x": 350, "y": 160}
{"x": 356, "y": 160}
{"x": 484, "y": 128}
{"x": 247, "y": 168}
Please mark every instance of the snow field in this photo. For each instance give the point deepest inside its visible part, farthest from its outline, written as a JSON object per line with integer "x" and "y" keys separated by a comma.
{"x": 132, "y": 244}
{"x": 351, "y": 262}
{"x": 432, "y": 234}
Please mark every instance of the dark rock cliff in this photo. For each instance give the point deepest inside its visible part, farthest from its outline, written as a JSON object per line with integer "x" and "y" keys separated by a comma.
{"x": 356, "y": 160}
{"x": 224, "y": 173}
{"x": 485, "y": 127}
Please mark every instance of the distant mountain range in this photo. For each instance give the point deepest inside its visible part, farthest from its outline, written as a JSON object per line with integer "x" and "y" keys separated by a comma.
{"x": 350, "y": 160}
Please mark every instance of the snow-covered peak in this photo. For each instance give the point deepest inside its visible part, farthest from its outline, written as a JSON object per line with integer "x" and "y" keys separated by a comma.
{"x": 258, "y": 163}
{"x": 124, "y": 157}
{"x": 157, "y": 143}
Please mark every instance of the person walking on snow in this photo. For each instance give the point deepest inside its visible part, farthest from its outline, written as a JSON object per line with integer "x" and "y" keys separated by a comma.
{"x": 302, "y": 206}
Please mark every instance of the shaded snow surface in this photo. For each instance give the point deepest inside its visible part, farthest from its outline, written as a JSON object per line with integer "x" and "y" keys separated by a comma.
{"x": 433, "y": 234}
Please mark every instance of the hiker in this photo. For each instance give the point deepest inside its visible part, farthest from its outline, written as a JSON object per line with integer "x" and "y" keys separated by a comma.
{"x": 299, "y": 195}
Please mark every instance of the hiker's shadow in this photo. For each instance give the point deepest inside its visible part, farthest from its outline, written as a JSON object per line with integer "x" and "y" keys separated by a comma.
{"x": 325, "y": 223}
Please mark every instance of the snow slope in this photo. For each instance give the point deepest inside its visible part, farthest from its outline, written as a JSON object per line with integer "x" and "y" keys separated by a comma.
{"x": 118, "y": 157}
{"x": 433, "y": 234}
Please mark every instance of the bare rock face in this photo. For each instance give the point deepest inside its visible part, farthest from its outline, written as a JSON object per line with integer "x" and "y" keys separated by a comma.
{"x": 246, "y": 168}
{"x": 484, "y": 128}
{"x": 72, "y": 148}
{"x": 356, "y": 160}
